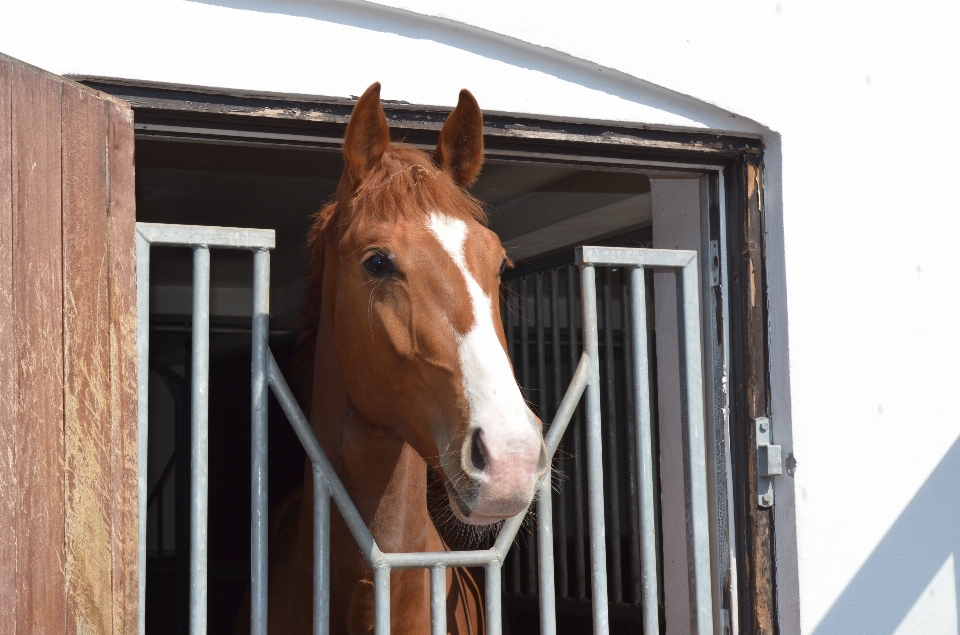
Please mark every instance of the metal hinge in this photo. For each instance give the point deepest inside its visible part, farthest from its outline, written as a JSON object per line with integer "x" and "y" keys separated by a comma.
{"x": 769, "y": 463}
{"x": 714, "y": 263}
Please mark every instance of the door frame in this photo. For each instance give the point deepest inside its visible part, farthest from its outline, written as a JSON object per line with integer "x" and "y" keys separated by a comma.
{"x": 733, "y": 165}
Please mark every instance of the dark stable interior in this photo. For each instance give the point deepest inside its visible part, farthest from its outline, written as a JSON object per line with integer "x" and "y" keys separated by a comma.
{"x": 539, "y": 211}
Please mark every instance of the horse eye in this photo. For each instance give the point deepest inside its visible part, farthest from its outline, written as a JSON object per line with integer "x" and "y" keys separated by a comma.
{"x": 378, "y": 265}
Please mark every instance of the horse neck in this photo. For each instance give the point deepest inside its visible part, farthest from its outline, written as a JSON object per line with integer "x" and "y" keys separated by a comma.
{"x": 385, "y": 476}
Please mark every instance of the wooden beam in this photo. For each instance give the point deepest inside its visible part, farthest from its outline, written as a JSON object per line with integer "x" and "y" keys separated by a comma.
{"x": 88, "y": 479}
{"x": 123, "y": 367}
{"x": 38, "y": 335}
{"x": 8, "y": 370}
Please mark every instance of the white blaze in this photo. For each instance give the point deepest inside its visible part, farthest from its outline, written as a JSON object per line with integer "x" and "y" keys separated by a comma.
{"x": 496, "y": 405}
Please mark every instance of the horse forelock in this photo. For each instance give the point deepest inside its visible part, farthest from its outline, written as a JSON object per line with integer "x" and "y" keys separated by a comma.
{"x": 405, "y": 185}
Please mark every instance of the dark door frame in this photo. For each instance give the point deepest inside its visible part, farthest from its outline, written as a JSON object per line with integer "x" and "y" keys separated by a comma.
{"x": 220, "y": 116}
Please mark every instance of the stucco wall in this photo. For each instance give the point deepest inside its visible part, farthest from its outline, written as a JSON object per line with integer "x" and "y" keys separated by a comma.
{"x": 857, "y": 103}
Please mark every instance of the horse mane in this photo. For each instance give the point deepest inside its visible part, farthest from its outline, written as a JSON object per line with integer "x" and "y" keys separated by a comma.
{"x": 405, "y": 184}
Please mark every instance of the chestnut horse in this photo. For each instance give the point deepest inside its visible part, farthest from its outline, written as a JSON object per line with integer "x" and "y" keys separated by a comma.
{"x": 409, "y": 370}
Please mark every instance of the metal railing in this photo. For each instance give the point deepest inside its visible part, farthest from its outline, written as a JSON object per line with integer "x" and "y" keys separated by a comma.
{"x": 327, "y": 485}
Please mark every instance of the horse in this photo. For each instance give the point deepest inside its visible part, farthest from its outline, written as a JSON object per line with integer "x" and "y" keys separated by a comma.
{"x": 409, "y": 372}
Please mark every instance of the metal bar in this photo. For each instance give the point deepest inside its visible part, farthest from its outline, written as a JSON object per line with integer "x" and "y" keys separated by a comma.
{"x": 512, "y": 296}
{"x": 598, "y": 548}
{"x": 508, "y": 318}
{"x": 636, "y": 591}
{"x": 610, "y": 427}
{"x": 552, "y": 440}
{"x": 160, "y": 524}
{"x": 548, "y": 609}
{"x": 507, "y": 534}
{"x": 358, "y": 528}
{"x": 579, "y": 552}
{"x": 427, "y": 559}
{"x": 492, "y": 599}
{"x": 538, "y": 318}
{"x": 200, "y": 383}
{"x": 633, "y": 257}
{"x": 182, "y": 488}
{"x": 646, "y": 462}
{"x": 561, "y": 463}
{"x": 514, "y": 557}
{"x": 524, "y": 338}
{"x": 698, "y": 525}
{"x": 733, "y": 584}
{"x": 200, "y": 235}
{"x": 525, "y": 387}
{"x": 381, "y": 601}
{"x": 143, "y": 382}
{"x": 321, "y": 553}
{"x": 568, "y": 405}
{"x": 438, "y": 600}
{"x": 259, "y": 510}
{"x": 544, "y": 415}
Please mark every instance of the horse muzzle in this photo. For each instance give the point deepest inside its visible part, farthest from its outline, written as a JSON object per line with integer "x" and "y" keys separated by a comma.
{"x": 497, "y": 476}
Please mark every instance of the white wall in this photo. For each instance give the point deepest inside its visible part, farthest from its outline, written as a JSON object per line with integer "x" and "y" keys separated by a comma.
{"x": 861, "y": 246}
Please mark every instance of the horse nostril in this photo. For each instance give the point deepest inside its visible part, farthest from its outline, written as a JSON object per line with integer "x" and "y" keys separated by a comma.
{"x": 477, "y": 452}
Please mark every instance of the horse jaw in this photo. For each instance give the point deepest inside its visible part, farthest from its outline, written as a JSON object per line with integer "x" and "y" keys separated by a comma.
{"x": 495, "y": 473}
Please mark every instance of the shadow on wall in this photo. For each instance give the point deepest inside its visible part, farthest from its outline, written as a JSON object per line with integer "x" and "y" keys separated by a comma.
{"x": 915, "y": 550}
{"x": 503, "y": 48}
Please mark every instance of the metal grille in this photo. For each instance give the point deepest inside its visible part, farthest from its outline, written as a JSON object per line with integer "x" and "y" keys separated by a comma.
{"x": 586, "y": 379}
{"x": 541, "y": 317}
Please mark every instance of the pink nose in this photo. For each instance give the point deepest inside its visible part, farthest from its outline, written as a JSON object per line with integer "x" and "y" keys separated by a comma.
{"x": 505, "y": 470}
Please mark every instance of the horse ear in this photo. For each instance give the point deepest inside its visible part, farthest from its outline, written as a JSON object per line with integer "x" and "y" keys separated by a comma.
{"x": 367, "y": 135}
{"x": 460, "y": 149}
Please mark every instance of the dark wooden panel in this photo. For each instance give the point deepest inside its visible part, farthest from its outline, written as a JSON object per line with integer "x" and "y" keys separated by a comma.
{"x": 216, "y": 115}
{"x": 123, "y": 365}
{"x": 38, "y": 333}
{"x": 87, "y": 421}
{"x": 750, "y": 396}
{"x": 8, "y": 375}
{"x": 758, "y": 400}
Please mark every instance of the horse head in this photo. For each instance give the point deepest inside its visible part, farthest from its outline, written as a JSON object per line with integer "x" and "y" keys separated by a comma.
{"x": 419, "y": 339}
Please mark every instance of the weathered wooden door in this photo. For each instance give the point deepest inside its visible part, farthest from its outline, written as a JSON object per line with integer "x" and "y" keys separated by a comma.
{"x": 68, "y": 443}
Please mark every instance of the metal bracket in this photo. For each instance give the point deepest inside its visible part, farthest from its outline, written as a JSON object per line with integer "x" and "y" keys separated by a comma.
{"x": 769, "y": 463}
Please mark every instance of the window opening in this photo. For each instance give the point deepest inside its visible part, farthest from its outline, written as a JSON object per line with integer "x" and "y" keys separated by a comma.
{"x": 185, "y": 181}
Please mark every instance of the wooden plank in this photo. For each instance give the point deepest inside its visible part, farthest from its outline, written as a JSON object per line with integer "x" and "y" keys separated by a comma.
{"x": 123, "y": 366}
{"x": 8, "y": 374}
{"x": 87, "y": 422}
{"x": 38, "y": 334}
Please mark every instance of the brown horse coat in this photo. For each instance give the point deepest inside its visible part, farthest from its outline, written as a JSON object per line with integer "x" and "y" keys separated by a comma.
{"x": 409, "y": 370}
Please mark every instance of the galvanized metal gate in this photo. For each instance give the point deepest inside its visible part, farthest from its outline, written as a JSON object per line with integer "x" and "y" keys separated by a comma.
{"x": 327, "y": 485}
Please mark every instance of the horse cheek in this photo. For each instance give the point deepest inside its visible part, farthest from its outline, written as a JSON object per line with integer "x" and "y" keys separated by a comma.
{"x": 369, "y": 340}
{"x": 393, "y": 317}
